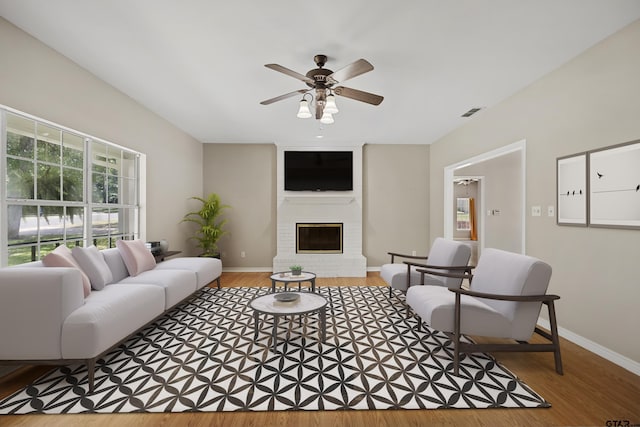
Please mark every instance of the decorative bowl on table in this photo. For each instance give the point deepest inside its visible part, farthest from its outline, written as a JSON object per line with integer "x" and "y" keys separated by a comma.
{"x": 287, "y": 296}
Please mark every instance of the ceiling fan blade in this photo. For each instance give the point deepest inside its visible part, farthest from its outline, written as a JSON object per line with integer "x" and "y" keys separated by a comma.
{"x": 289, "y": 72}
{"x": 358, "y": 95}
{"x": 352, "y": 70}
{"x": 285, "y": 96}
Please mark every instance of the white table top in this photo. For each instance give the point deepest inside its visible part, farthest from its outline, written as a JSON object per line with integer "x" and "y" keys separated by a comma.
{"x": 286, "y": 276}
{"x": 307, "y": 302}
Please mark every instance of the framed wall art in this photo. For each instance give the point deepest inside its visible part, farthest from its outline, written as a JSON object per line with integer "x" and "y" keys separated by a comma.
{"x": 572, "y": 192}
{"x": 614, "y": 186}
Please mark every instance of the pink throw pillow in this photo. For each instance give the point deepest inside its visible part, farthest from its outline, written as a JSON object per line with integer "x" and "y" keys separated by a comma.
{"x": 62, "y": 257}
{"x": 136, "y": 256}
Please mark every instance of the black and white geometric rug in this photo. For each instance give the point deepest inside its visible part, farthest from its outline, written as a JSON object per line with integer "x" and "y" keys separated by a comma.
{"x": 202, "y": 357}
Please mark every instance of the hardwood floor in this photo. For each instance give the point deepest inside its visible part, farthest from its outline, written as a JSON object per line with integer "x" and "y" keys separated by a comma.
{"x": 592, "y": 392}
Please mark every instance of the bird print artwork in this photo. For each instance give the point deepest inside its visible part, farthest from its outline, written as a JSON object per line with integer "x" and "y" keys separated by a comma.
{"x": 614, "y": 186}
{"x": 572, "y": 193}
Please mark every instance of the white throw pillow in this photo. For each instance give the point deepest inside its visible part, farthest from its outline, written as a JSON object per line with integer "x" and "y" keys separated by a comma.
{"x": 93, "y": 264}
{"x": 136, "y": 256}
{"x": 62, "y": 257}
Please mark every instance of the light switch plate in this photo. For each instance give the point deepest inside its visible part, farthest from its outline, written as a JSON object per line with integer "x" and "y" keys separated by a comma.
{"x": 536, "y": 211}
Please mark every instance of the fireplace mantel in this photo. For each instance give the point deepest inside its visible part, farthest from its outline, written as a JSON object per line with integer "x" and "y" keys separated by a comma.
{"x": 320, "y": 199}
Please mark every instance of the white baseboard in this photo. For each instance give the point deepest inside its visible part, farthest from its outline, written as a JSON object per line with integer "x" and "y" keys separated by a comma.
{"x": 610, "y": 355}
{"x": 247, "y": 269}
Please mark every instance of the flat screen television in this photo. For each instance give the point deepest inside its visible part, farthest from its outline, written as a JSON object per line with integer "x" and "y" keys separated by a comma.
{"x": 318, "y": 170}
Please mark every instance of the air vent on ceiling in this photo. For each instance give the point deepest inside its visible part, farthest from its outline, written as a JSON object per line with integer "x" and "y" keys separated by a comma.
{"x": 471, "y": 112}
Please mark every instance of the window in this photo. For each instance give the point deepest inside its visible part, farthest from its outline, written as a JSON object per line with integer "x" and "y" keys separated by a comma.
{"x": 63, "y": 186}
{"x": 463, "y": 222}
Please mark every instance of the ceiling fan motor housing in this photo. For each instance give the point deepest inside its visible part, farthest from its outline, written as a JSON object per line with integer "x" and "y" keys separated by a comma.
{"x": 319, "y": 75}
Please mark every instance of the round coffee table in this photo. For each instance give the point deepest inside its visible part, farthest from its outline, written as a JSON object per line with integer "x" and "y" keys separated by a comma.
{"x": 286, "y": 277}
{"x": 301, "y": 303}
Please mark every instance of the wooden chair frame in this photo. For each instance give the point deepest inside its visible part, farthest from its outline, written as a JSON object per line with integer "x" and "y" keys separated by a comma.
{"x": 466, "y": 268}
{"x": 521, "y": 346}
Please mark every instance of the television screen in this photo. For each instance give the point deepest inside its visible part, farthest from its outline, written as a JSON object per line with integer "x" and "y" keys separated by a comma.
{"x": 318, "y": 170}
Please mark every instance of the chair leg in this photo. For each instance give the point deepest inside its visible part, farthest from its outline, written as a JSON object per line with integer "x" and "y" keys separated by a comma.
{"x": 554, "y": 337}
{"x": 408, "y": 276}
{"x": 456, "y": 337}
{"x": 419, "y": 328}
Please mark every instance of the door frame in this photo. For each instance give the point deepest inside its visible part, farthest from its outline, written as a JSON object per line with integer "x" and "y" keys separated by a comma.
{"x": 449, "y": 176}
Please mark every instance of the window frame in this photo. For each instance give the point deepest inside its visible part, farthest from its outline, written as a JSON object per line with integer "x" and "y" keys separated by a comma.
{"x": 130, "y": 223}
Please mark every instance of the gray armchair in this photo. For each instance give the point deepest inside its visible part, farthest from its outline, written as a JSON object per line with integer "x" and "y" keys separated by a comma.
{"x": 505, "y": 299}
{"x": 446, "y": 256}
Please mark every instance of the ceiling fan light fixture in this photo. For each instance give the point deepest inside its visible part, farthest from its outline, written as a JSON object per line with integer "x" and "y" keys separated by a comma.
{"x": 327, "y": 118}
{"x": 303, "y": 110}
{"x": 330, "y": 106}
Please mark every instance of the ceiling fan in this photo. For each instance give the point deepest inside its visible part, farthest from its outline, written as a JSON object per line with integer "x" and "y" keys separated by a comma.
{"x": 321, "y": 81}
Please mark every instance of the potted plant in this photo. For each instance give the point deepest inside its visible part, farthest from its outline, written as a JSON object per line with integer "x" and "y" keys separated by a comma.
{"x": 296, "y": 270}
{"x": 210, "y": 226}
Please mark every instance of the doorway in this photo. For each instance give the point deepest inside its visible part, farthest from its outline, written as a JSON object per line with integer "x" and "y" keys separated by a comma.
{"x": 501, "y": 197}
{"x": 468, "y": 224}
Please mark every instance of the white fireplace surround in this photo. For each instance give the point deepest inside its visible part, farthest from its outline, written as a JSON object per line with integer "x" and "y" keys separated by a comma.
{"x": 321, "y": 207}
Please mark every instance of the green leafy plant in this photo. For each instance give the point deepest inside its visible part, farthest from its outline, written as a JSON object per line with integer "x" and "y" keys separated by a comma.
{"x": 210, "y": 226}
{"x": 295, "y": 269}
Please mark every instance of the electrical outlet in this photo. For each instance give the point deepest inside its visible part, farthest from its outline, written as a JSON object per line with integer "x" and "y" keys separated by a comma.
{"x": 413, "y": 253}
{"x": 536, "y": 211}
{"x": 242, "y": 254}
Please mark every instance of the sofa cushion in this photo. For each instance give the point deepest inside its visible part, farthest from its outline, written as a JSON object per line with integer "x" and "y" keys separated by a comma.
{"x": 62, "y": 257}
{"x": 136, "y": 256}
{"x": 93, "y": 264}
{"x": 107, "y": 317}
{"x": 177, "y": 284}
{"x": 207, "y": 269}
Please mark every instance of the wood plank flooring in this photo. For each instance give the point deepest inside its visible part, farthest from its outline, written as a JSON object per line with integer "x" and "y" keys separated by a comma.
{"x": 592, "y": 392}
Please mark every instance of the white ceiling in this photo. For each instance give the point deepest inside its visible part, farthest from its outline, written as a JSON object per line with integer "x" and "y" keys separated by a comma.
{"x": 200, "y": 63}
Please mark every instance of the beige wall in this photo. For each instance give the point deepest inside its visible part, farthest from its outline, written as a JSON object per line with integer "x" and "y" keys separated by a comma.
{"x": 590, "y": 102}
{"x": 39, "y": 81}
{"x": 396, "y": 201}
{"x": 502, "y": 178}
{"x": 244, "y": 176}
{"x": 395, "y": 194}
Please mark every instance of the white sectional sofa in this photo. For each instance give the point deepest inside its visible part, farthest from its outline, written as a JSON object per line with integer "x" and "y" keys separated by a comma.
{"x": 46, "y": 317}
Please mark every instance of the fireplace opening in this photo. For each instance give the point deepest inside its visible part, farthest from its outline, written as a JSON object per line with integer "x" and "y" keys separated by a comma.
{"x": 319, "y": 238}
